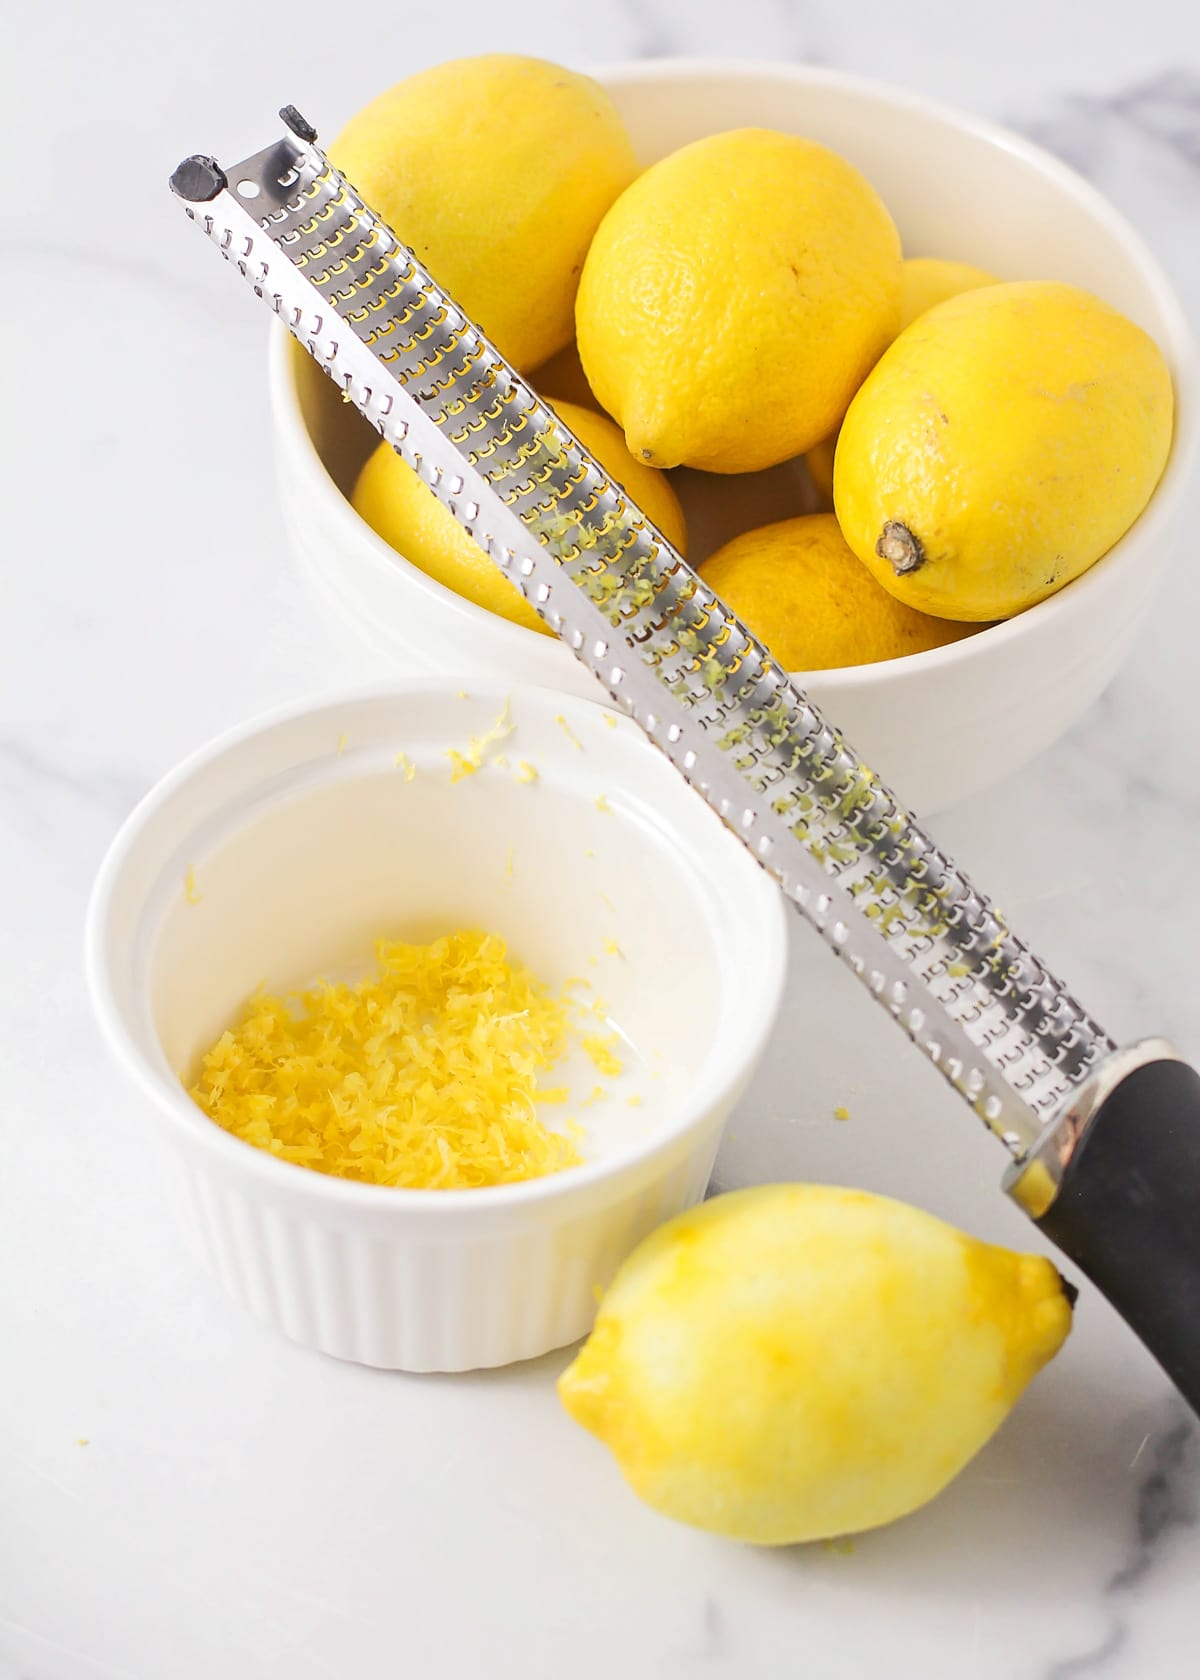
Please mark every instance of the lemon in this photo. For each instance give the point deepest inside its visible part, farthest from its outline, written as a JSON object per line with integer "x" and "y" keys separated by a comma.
{"x": 820, "y": 467}
{"x": 800, "y": 590}
{"x": 927, "y": 281}
{"x": 797, "y": 1362}
{"x": 496, "y": 171}
{"x": 924, "y": 282}
{"x": 562, "y": 379}
{"x": 406, "y": 513}
{"x": 733, "y": 299}
{"x": 1001, "y": 445}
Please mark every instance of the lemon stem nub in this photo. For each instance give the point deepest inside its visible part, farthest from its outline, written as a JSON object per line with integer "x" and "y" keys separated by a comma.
{"x": 900, "y": 548}
{"x": 1070, "y": 1291}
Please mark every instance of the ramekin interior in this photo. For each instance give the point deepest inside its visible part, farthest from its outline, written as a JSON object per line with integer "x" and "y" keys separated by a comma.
{"x": 282, "y": 851}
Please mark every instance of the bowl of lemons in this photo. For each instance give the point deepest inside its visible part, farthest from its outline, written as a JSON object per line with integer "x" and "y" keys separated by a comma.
{"x": 909, "y": 393}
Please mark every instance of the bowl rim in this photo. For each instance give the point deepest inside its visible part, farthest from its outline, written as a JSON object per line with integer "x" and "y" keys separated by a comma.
{"x": 1180, "y": 350}
{"x": 717, "y": 1078}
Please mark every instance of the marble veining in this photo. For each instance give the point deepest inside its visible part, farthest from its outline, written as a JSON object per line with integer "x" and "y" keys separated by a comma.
{"x": 1167, "y": 1499}
{"x": 115, "y": 792}
{"x": 183, "y": 1496}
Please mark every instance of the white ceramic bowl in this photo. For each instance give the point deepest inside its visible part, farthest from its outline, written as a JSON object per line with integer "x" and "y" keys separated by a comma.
{"x": 941, "y": 725}
{"x": 307, "y": 842}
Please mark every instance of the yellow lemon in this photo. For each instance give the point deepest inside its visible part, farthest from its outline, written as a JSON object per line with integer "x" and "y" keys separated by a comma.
{"x": 924, "y": 282}
{"x": 927, "y": 281}
{"x": 733, "y": 299}
{"x": 820, "y": 467}
{"x": 407, "y": 514}
{"x": 562, "y": 379}
{"x": 1000, "y": 446}
{"x": 797, "y": 1362}
{"x": 800, "y": 590}
{"x": 496, "y": 171}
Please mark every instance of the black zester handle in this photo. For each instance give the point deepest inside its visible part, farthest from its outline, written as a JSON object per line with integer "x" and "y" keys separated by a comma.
{"x": 1127, "y": 1207}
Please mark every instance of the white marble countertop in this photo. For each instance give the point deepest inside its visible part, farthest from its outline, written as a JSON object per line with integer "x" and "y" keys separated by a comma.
{"x": 243, "y": 1509}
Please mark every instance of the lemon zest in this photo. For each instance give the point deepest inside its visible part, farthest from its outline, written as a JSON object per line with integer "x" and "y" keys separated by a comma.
{"x": 424, "y": 1076}
{"x": 599, "y": 1048}
{"x": 466, "y": 764}
{"x": 562, "y": 723}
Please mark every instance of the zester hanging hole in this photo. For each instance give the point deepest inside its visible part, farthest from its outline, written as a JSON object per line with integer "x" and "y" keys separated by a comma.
{"x": 248, "y": 189}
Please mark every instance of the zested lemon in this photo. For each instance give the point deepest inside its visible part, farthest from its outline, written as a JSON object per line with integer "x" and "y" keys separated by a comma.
{"x": 733, "y": 299}
{"x": 797, "y": 1362}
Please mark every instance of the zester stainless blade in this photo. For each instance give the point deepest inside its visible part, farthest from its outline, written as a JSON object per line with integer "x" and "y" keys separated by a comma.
{"x": 926, "y": 944}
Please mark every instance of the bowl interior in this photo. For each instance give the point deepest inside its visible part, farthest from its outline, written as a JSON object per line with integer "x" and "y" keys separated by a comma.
{"x": 956, "y": 188}
{"x": 304, "y": 843}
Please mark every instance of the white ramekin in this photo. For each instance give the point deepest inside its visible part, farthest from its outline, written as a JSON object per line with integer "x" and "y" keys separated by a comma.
{"x": 941, "y": 725}
{"x": 282, "y": 850}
